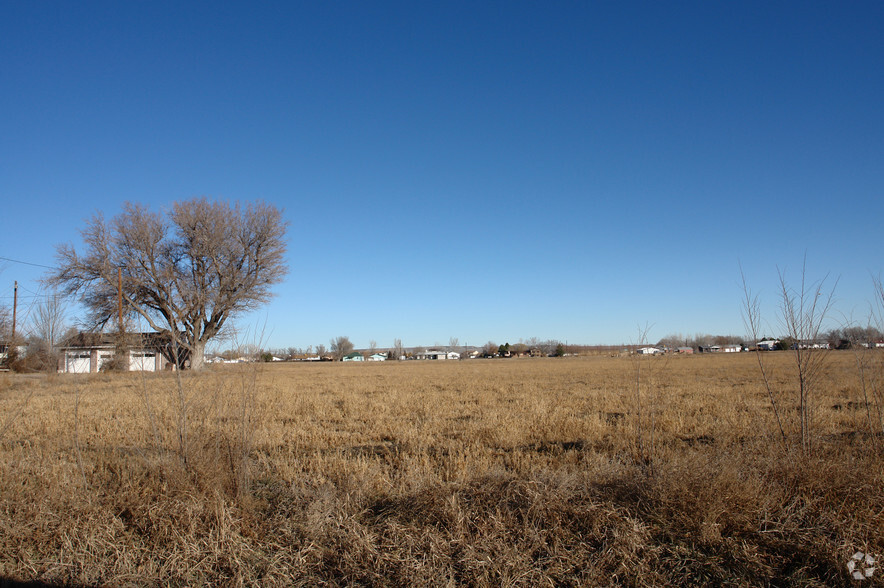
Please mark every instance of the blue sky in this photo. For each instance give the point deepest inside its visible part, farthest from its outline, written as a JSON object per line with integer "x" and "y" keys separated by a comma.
{"x": 485, "y": 171}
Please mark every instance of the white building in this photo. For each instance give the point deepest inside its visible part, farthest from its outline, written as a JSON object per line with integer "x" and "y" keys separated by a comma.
{"x": 649, "y": 351}
{"x": 813, "y": 345}
{"x": 436, "y": 354}
{"x": 88, "y": 353}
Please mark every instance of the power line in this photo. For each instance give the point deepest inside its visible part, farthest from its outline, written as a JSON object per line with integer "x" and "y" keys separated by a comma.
{"x": 27, "y": 263}
{"x": 21, "y": 297}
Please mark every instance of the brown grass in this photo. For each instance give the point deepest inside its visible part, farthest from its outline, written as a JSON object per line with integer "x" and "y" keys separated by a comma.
{"x": 487, "y": 472}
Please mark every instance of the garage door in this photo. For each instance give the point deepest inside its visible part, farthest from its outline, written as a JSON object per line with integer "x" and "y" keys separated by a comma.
{"x": 144, "y": 361}
{"x": 78, "y": 362}
{"x": 104, "y": 357}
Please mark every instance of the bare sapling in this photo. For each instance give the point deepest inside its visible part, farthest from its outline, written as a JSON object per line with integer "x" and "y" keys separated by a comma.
{"x": 870, "y": 364}
{"x": 182, "y": 406}
{"x": 868, "y": 368}
{"x": 878, "y": 372}
{"x": 77, "y": 450}
{"x": 144, "y": 394}
{"x": 240, "y": 453}
{"x": 803, "y": 312}
{"x": 240, "y": 443}
{"x": 644, "y": 406}
{"x": 752, "y": 321}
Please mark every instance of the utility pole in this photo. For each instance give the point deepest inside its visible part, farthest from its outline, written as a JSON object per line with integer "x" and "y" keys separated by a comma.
{"x": 14, "y": 309}
{"x": 120, "y": 296}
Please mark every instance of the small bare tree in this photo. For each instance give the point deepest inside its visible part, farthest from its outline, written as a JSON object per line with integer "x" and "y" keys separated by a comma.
{"x": 185, "y": 273}
{"x": 397, "y": 351}
{"x": 870, "y": 362}
{"x": 869, "y": 370}
{"x": 752, "y": 321}
{"x": 803, "y": 310}
{"x": 48, "y": 327}
{"x": 6, "y": 343}
{"x": 5, "y": 323}
{"x": 645, "y": 402}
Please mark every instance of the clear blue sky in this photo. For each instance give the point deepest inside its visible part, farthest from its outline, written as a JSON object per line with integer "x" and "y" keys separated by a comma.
{"x": 490, "y": 170}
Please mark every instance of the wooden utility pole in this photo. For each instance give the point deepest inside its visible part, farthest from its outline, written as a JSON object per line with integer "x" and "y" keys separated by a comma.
{"x": 120, "y": 296}
{"x": 14, "y": 308}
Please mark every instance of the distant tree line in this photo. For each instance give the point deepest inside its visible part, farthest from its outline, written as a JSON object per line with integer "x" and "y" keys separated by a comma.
{"x": 837, "y": 338}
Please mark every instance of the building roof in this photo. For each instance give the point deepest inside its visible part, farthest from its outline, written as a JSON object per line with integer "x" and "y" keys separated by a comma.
{"x": 90, "y": 340}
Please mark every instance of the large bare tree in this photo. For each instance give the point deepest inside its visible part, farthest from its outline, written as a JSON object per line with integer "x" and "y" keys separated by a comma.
{"x": 185, "y": 272}
{"x": 341, "y": 346}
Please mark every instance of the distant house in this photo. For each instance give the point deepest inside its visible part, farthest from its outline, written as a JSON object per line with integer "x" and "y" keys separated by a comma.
{"x": 377, "y": 357}
{"x": 812, "y": 345}
{"x": 649, "y": 351}
{"x": 767, "y": 345}
{"x": 685, "y": 350}
{"x": 436, "y": 354}
{"x": 87, "y": 353}
{"x": 355, "y": 356}
{"x": 729, "y": 348}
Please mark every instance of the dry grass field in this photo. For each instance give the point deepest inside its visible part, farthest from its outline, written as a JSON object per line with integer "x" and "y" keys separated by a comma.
{"x": 524, "y": 472}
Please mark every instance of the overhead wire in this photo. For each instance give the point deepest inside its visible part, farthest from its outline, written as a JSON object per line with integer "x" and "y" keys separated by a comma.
{"x": 30, "y": 297}
{"x": 27, "y": 262}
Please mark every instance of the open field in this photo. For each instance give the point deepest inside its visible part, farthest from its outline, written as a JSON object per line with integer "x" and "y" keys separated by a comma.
{"x": 528, "y": 472}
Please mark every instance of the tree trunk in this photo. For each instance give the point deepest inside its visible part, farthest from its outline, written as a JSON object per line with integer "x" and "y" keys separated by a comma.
{"x": 198, "y": 355}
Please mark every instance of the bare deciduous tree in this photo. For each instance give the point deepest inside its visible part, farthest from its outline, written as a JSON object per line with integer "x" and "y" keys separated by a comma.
{"x": 185, "y": 273}
{"x": 48, "y": 322}
{"x": 7, "y": 346}
{"x": 5, "y": 323}
{"x": 47, "y": 330}
{"x": 397, "y": 351}
{"x": 341, "y": 346}
{"x": 803, "y": 310}
{"x": 752, "y": 320}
